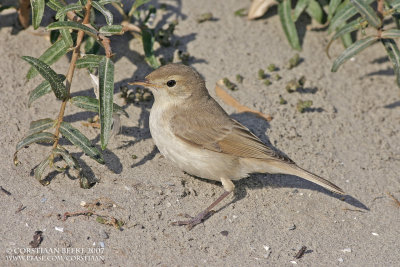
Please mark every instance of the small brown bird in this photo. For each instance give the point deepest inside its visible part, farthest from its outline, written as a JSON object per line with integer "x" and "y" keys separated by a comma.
{"x": 190, "y": 128}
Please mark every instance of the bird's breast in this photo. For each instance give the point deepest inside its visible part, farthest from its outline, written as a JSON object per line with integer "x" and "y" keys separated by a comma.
{"x": 194, "y": 160}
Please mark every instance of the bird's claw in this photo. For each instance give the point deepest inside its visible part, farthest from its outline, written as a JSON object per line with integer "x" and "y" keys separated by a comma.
{"x": 201, "y": 217}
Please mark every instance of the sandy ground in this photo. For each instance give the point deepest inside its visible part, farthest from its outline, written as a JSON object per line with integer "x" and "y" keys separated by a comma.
{"x": 351, "y": 137}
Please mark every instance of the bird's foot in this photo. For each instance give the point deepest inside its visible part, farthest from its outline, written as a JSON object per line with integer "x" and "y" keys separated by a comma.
{"x": 201, "y": 217}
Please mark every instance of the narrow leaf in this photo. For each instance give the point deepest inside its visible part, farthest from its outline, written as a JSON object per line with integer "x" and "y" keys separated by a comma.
{"x": 284, "y": 11}
{"x": 71, "y": 161}
{"x": 395, "y": 4}
{"x": 392, "y": 33}
{"x": 148, "y": 43}
{"x": 346, "y": 40}
{"x": 367, "y": 12}
{"x": 348, "y": 28}
{"x": 91, "y": 45}
{"x": 333, "y": 5}
{"x": 394, "y": 55}
{"x": 39, "y": 170}
{"x": 92, "y": 104}
{"x": 81, "y": 141}
{"x": 105, "y": 2}
{"x": 106, "y": 13}
{"x": 50, "y": 75}
{"x": 37, "y": 12}
{"x": 55, "y": 4}
{"x": 40, "y": 125}
{"x": 352, "y": 50}
{"x": 136, "y": 5}
{"x": 106, "y": 89}
{"x": 344, "y": 12}
{"x": 88, "y": 61}
{"x": 51, "y": 55}
{"x": 43, "y": 137}
{"x": 71, "y": 7}
{"x": 299, "y": 8}
{"x": 315, "y": 11}
{"x": 58, "y": 25}
{"x": 111, "y": 30}
{"x": 41, "y": 90}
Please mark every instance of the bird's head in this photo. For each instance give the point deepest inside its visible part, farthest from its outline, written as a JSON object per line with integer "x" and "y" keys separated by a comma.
{"x": 175, "y": 82}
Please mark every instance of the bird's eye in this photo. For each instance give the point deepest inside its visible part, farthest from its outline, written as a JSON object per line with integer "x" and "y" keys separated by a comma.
{"x": 171, "y": 83}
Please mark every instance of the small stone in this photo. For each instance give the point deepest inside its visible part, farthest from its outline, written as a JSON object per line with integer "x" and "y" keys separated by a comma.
{"x": 103, "y": 234}
{"x": 224, "y": 233}
{"x": 346, "y": 250}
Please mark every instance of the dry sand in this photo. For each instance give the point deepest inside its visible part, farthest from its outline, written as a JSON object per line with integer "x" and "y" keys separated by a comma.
{"x": 352, "y": 138}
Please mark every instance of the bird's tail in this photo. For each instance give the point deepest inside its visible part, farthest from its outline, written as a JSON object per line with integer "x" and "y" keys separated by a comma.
{"x": 293, "y": 169}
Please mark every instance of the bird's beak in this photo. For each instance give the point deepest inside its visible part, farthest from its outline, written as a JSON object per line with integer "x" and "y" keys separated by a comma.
{"x": 145, "y": 83}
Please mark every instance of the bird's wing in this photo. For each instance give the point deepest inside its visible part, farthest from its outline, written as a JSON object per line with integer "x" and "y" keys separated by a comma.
{"x": 219, "y": 133}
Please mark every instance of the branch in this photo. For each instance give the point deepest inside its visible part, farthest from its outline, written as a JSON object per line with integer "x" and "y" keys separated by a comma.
{"x": 229, "y": 100}
{"x": 24, "y": 11}
{"x": 71, "y": 71}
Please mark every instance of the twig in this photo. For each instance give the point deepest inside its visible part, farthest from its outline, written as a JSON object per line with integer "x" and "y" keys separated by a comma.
{"x": 71, "y": 70}
{"x": 396, "y": 201}
{"x": 104, "y": 40}
{"x": 229, "y": 100}
{"x": 24, "y": 11}
{"x": 71, "y": 214}
{"x": 301, "y": 252}
{"x": 5, "y": 191}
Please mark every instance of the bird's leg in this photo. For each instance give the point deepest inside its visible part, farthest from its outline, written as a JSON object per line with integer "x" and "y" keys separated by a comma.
{"x": 199, "y": 218}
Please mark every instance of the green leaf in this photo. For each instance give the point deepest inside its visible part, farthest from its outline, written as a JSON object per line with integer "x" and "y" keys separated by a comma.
{"x": 284, "y": 11}
{"x": 106, "y": 90}
{"x": 394, "y": 55}
{"x": 55, "y": 4}
{"x": 299, "y": 8}
{"x": 348, "y": 28}
{"x": 91, "y": 45}
{"x": 105, "y": 2}
{"x": 333, "y": 5}
{"x": 41, "y": 90}
{"x": 394, "y": 4}
{"x": 392, "y": 33}
{"x": 92, "y": 104}
{"x": 346, "y": 40}
{"x": 51, "y": 55}
{"x": 58, "y": 25}
{"x": 39, "y": 170}
{"x": 111, "y": 30}
{"x": 70, "y": 160}
{"x": 54, "y": 36}
{"x": 88, "y": 61}
{"x": 40, "y": 125}
{"x": 43, "y": 137}
{"x": 136, "y": 5}
{"x": 148, "y": 43}
{"x": 367, "y": 12}
{"x": 106, "y": 13}
{"x": 50, "y": 75}
{"x": 71, "y": 7}
{"x": 352, "y": 50}
{"x": 345, "y": 11}
{"x": 37, "y": 12}
{"x": 81, "y": 141}
{"x": 315, "y": 11}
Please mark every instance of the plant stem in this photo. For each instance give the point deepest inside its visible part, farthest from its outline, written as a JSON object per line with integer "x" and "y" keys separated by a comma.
{"x": 24, "y": 11}
{"x": 71, "y": 70}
